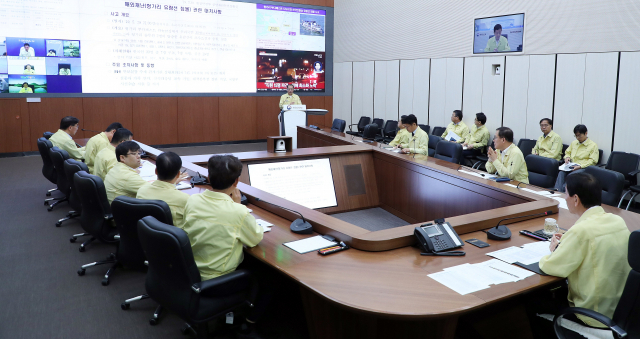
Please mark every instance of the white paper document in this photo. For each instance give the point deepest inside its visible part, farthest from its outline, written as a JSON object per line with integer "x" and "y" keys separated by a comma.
{"x": 148, "y": 171}
{"x": 452, "y": 135}
{"x": 479, "y": 175}
{"x": 309, "y": 244}
{"x": 562, "y": 202}
{"x": 528, "y": 254}
{"x": 461, "y": 283}
{"x": 266, "y": 226}
{"x": 565, "y": 167}
{"x": 183, "y": 185}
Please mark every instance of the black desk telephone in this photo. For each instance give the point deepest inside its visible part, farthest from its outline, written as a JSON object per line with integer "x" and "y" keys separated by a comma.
{"x": 434, "y": 239}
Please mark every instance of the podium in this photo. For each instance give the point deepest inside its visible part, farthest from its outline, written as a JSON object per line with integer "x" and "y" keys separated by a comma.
{"x": 292, "y": 116}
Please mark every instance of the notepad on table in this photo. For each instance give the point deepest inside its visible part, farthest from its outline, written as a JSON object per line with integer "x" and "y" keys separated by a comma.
{"x": 266, "y": 226}
{"x": 309, "y": 244}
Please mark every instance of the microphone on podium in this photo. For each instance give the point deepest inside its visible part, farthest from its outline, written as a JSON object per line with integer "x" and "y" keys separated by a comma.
{"x": 299, "y": 226}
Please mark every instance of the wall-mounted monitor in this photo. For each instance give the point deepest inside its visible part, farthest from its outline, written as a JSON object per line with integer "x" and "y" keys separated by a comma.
{"x": 306, "y": 182}
{"x": 499, "y": 34}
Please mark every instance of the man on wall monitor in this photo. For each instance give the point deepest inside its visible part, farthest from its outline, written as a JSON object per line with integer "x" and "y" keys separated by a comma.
{"x": 497, "y": 43}
{"x": 500, "y": 34}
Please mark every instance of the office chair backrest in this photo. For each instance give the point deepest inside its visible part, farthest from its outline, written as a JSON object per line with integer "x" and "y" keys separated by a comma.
{"x": 95, "y": 206}
{"x": 71, "y": 166}
{"x": 370, "y": 131}
{"x": 48, "y": 170}
{"x": 449, "y": 151}
{"x": 58, "y": 156}
{"x": 627, "y": 312}
{"x": 338, "y": 125}
{"x": 433, "y": 142}
{"x": 543, "y": 172}
{"x": 126, "y": 213}
{"x": 600, "y": 154}
{"x": 526, "y": 146}
{"x": 437, "y": 131}
{"x": 390, "y": 129}
{"x": 172, "y": 268}
{"x": 425, "y": 128}
{"x": 364, "y": 121}
{"x": 47, "y": 135}
{"x": 612, "y": 184}
{"x": 624, "y": 163}
{"x": 564, "y": 150}
{"x": 380, "y": 123}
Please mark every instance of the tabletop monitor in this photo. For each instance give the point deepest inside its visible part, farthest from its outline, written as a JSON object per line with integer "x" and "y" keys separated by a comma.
{"x": 507, "y": 29}
{"x": 305, "y": 182}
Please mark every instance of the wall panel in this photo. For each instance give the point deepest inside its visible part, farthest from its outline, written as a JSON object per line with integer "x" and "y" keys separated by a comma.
{"x": 542, "y": 69}
{"x": 198, "y": 119}
{"x": 472, "y": 89}
{"x": 99, "y": 113}
{"x": 421, "y": 70}
{"x": 155, "y": 120}
{"x": 234, "y": 111}
{"x": 492, "y": 91}
{"x": 11, "y": 126}
{"x": 362, "y": 99}
{"x": 569, "y": 94}
{"x": 600, "y": 77}
{"x": 392, "y": 90}
{"x": 342, "y": 81}
{"x": 516, "y": 81}
{"x": 328, "y": 105}
{"x": 311, "y": 102}
{"x": 626, "y": 136}
{"x": 380, "y": 90}
{"x": 405, "y": 99}
{"x": 437, "y": 92}
{"x": 453, "y": 87}
{"x": 46, "y": 115}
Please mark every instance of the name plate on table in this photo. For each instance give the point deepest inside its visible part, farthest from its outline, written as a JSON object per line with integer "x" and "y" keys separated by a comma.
{"x": 294, "y": 108}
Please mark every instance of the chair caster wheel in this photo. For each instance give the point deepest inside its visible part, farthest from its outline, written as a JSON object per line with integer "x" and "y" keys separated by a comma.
{"x": 48, "y": 194}
{"x": 185, "y": 329}
{"x": 153, "y": 321}
{"x": 105, "y": 282}
{"x": 81, "y": 249}
{"x": 112, "y": 256}
{"x": 58, "y": 224}
{"x": 125, "y": 306}
{"x": 46, "y": 203}
{"x": 73, "y": 239}
{"x": 81, "y": 272}
{"x": 50, "y": 208}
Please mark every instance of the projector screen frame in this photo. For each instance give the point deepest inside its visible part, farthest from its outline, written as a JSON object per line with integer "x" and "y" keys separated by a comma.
{"x": 329, "y": 38}
{"x": 473, "y": 34}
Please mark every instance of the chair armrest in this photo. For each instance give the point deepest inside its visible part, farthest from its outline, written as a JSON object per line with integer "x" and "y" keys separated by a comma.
{"x": 352, "y": 125}
{"x": 116, "y": 237}
{"x": 617, "y": 331}
{"x": 634, "y": 173}
{"x": 601, "y": 165}
{"x": 229, "y": 283}
{"x": 108, "y": 217}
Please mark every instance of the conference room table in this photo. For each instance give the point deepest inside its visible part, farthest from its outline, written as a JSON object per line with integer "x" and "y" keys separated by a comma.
{"x": 379, "y": 288}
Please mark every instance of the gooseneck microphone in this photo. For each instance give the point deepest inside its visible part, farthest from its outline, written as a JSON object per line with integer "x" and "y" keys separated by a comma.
{"x": 89, "y": 130}
{"x": 299, "y": 226}
{"x": 501, "y": 232}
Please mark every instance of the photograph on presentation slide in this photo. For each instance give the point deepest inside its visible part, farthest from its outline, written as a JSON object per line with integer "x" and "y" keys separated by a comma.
{"x": 64, "y": 66}
{"x": 305, "y": 182}
{"x": 64, "y": 84}
{"x": 312, "y": 25}
{"x": 71, "y": 48}
{"x": 54, "y": 48}
{"x": 27, "y": 84}
{"x": 499, "y": 34}
{"x": 3, "y": 46}
{"x": 3, "y": 65}
{"x": 26, "y": 47}
{"x": 26, "y": 65}
{"x": 4, "y": 83}
{"x": 276, "y": 69}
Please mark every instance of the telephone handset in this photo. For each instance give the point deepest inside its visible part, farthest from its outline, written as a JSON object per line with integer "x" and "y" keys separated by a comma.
{"x": 435, "y": 239}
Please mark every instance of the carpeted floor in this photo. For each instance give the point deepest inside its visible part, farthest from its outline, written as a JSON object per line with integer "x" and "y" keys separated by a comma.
{"x": 41, "y": 296}
{"x": 372, "y": 219}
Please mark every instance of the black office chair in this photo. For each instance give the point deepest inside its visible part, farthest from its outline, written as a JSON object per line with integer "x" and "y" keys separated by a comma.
{"x": 48, "y": 170}
{"x": 433, "y": 143}
{"x": 173, "y": 279}
{"x": 564, "y": 151}
{"x": 47, "y": 135}
{"x": 624, "y": 322}
{"x": 96, "y": 218}
{"x": 543, "y": 172}
{"x": 449, "y": 151}
{"x": 370, "y": 132}
{"x": 628, "y": 164}
{"x": 425, "y": 128}
{"x": 71, "y": 166}
{"x": 364, "y": 121}
{"x": 612, "y": 184}
{"x": 380, "y": 123}
{"x": 58, "y": 156}
{"x": 482, "y": 159}
{"x": 526, "y": 146}
{"x": 389, "y": 131}
{"x": 338, "y": 125}
{"x": 437, "y": 131}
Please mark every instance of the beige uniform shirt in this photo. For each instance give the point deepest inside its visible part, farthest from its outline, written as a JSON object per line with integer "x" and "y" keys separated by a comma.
{"x": 478, "y": 137}
{"x": 95, "y": 145}
{"x": 287, "y": 99}
{"x": 122, "y": 180}
{"x": 460, "y": 129}
{"x": 512, "y": 165}
{"x": 161, "y": 190}
{"x": 584, "y": 154}
{"x": 64, "y": 141}
{"x": 592, "y": 255}
{"x": 402, "y": 137}
{"x": 418, "y": 142}
{"x": 217, "y": 228}
{"x": 104, "y": 161}
{"x": 549, "y": 146}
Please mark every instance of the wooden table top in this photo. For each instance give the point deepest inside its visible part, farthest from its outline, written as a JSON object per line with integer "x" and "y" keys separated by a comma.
{"x": 390, "y": 283}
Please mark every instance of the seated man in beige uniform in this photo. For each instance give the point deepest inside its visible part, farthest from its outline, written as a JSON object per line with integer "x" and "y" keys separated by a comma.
{"x": 97, "y": 143}
{"x": 124, "y": 178}
{"x": 106, "y": 158}
{"x": 63, "y": 138}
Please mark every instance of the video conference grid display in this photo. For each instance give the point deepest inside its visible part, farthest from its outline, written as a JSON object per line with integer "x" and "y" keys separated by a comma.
{"x": 500, "y": 34}
{"x": 176, "y": 46}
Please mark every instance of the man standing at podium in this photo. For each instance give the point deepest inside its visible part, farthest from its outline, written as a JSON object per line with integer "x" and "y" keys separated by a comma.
{"x": 289, "y": 98}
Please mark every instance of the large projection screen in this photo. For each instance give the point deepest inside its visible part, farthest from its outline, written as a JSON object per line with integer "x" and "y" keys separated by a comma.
{"x": 208, "y": 47}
